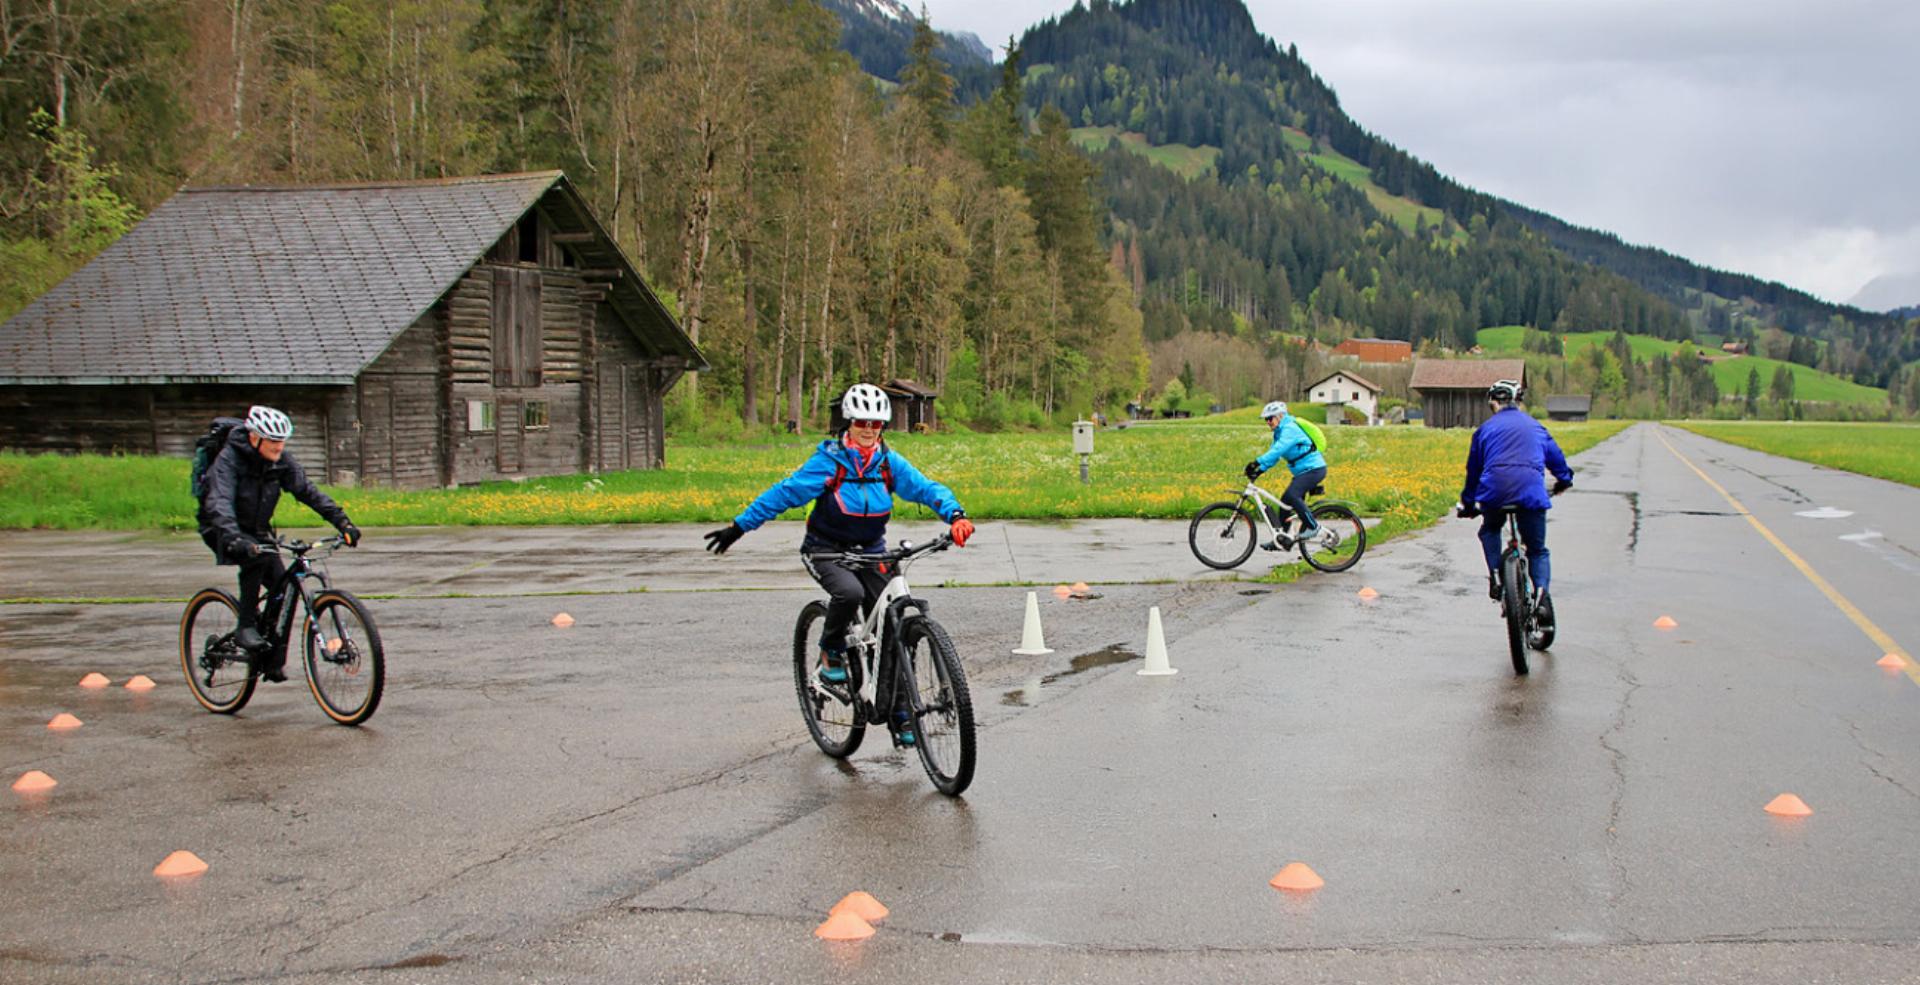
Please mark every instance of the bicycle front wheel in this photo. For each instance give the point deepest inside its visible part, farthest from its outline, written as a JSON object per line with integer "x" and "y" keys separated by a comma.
{"x": 1513, "y": 605}
{"x": 942, "y": 706}
{"x": 829, "y": 716}
{"x": 1343, "y": 538}
{"x": 345, "y": 668}
{"x": 1221, "y": 535}
{"x": 218, "y": 671}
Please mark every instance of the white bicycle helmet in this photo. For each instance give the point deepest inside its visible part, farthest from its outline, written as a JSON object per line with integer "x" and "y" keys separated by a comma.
{"x": 1505, "y": 391}
{"x": 1278, "y": 408}
{"x": 866, "y": 402}
{"x": 269, "y": 423}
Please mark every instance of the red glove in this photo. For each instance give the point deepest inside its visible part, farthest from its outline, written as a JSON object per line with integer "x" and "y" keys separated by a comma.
{"x": 962, "y": 529}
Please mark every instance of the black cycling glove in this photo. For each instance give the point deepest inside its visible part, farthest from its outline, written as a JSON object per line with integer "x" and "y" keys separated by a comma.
{"x": 1561, "y": 485}
{"x": 1253, "y": 471}
{"x": 719, "y": 540}
{"x": 351, "y": 533}
{"x": 1466, "y": 511}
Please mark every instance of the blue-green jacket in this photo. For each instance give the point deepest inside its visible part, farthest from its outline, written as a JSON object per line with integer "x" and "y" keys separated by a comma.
{"x": 856, "y": 510}
{"x": 1291, "y": 445}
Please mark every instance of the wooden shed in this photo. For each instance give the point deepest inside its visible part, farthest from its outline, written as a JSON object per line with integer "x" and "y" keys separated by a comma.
{"x": 1453, "y": 392}
{"x": 1569, "y": 407}
{"x": 420, "y": 333}
{"x": 912, "y": 405}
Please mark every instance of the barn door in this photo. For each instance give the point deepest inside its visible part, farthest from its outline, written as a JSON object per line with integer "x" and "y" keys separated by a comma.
{"x": 376, "y": 431}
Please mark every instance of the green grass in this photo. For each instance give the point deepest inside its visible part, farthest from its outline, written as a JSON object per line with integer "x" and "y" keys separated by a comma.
{"x": 1729, "y": 374}
{"x": 1406, "y": 476}
{"x": 1404, "y": 212}
{"x": 1187, "y": 162}
{"x": 1888, "y": 451}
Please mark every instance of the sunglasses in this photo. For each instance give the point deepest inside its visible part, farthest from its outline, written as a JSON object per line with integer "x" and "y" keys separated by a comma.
{"x": 876, "y": 425}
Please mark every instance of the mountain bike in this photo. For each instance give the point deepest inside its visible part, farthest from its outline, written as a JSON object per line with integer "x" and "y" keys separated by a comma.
{"x": 1530, "y": 625}
{"x": 897, "y": 658}
{"x": 1223, "y": 535}
{"x": 345, "y": 668}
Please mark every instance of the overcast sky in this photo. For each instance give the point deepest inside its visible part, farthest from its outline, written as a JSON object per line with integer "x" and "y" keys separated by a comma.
{"x": 1769, "y": 137}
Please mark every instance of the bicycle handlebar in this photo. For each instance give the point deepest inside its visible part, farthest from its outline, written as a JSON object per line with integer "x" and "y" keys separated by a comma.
{"x": 907, "y": 551}
{"x": 300, "y": 548}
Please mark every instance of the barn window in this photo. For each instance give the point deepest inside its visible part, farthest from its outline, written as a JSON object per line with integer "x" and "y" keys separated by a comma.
{"x": 1356, "y": 395}
{"x": 479, "y": 416}
{"x": 516, "y": 327}
{"x": 534, "y": 417}
{"x": 530, "y": 238}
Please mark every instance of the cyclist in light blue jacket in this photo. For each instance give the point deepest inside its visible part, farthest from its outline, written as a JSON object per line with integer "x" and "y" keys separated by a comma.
{"x": 851, "y": 481}
{"x": 1309, "y": 467}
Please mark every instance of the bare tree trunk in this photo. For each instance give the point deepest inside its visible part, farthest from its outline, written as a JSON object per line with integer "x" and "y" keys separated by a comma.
{"x": 242, "y": 14}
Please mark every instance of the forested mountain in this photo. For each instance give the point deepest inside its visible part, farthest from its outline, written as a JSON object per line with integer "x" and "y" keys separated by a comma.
{"x": 878, "y": 34}
{"x": 1273, "y": 240}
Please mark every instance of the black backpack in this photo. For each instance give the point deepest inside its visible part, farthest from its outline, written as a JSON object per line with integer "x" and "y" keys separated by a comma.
{"x": 206, "y": 448}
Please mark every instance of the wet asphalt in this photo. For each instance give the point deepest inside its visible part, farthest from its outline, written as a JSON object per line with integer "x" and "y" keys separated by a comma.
{"x": 634, "y": 798}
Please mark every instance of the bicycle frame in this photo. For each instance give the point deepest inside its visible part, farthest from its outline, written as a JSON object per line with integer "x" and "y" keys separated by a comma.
{"x": 875, "y": 635}
{"x": 294, "y": 581}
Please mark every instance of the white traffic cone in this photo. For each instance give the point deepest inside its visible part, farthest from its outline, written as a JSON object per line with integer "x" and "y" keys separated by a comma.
{"x": 1032, "y": 644}
{"x": 1157, "y": 665}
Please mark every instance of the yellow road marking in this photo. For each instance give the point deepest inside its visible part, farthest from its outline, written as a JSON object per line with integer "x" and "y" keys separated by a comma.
{"x": 1874, "y": 633}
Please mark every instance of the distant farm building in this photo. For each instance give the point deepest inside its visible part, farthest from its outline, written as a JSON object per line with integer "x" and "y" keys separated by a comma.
{"x": 1375, "y": 350}
{"x": 1734, "y": 348}
{"x": 1571, "y": 407}
{"x": 1351, "y": 389}
{"x": 420, "y": 333}
{"x": 1453, "y": 392}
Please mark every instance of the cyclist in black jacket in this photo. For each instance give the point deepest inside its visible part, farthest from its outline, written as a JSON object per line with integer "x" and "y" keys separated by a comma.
{"x": 236, "y": 514}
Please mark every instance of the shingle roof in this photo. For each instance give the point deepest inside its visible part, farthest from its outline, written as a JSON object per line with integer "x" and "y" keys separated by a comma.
{"x": 1464, "y": 374}
{"x": 301, "y": 284}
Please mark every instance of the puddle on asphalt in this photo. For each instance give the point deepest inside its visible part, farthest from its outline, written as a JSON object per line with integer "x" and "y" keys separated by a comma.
{"x": 1258, "y": 591}
{"x": 1022, "y": 697}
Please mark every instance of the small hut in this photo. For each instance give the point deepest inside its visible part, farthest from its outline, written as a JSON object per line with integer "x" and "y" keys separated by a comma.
{"x": 1569, "y": 407}
{"x": 912, "y": 406}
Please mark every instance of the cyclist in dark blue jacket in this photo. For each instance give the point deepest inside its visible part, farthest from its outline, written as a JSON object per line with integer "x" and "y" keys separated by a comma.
{"x": 1510, "y": 452}
{"x": 851, "y": 482}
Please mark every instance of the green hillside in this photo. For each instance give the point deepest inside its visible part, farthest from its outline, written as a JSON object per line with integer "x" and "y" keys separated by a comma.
{"x": 1730, "y": 373}
{"x": 1405, "y": 212}
{"x": 1187, "y": 162}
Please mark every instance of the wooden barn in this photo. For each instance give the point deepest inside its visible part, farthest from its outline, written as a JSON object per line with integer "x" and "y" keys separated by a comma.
{"x": 1453, "y": 392}
{"x": 1569, "y": 407}
{"x": 420, "y": 333}
{"x": 912, "y": 406}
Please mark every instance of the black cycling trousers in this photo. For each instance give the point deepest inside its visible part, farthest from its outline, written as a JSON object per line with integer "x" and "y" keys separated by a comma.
{"x": 256, "y": 573}
{"x": 850, "y": 589}
{"x": 1296, "y": 494}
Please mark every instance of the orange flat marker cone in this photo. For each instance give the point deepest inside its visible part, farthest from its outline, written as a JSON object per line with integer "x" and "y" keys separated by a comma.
{"x": 140, "y": 682}
{"x": 64, "y": 721}
{"x": 862, "y": 905}
{"x": 563, "y": 620}
{"x": 1664, "y": 622}
{"x": 94, "y": 680}
{"x": 1368, "y": 593}
{"x": 180, "y": 863}
{"x": 1062, "y": 591}
{"x": 1298, "y": 877}
{"x": 34, "y": 781}
{"x": 1080, "y": 588}
{"x": 844, "y": 927}
{"x": 1891, "y": 661}
{"x": 1787, "y": 805}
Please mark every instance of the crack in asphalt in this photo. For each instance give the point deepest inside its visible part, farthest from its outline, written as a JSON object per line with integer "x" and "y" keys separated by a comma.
{"x": 1853, "y": 729}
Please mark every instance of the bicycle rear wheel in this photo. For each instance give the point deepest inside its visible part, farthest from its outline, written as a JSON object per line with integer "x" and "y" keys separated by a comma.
{"x": 218, "y": 671}
{"x": 1514, "y": 604}
{"x": 830, "y": 719}
{"x": 942, "y": 706}
{"x": 1221, "y": 535}
{"x": 346, "y": 669}
{"x": 1343, "y": 538}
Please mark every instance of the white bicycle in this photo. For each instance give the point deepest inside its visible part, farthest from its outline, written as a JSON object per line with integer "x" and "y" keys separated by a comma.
{"x": 897, "y": 657}
{"x": 1223, "y": 534}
